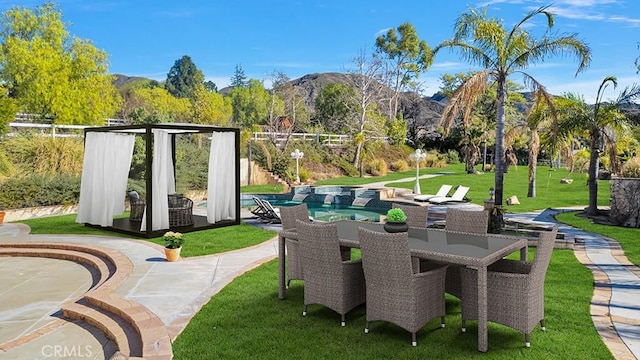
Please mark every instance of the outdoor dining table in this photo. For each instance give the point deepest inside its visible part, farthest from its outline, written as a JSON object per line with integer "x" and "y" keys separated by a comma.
{"x": 471, "y": 250}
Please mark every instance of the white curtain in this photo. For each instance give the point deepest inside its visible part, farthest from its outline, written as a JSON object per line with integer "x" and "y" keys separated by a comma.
{"x": 221, "y": 198}
{"x": 105, "y": 169}
{"x": 163, "y": 181}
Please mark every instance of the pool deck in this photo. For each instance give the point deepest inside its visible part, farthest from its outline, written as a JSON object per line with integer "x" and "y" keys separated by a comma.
{"x": 40, "y": 331}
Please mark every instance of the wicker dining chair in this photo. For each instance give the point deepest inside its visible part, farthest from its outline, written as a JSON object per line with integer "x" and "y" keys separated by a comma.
{"x": 515, "y": 289}
{"x": 416, "y": 215}
{"x": 468, "y": 221}
{"x": 328, "y": 280}
{"x": 288, "y": 216}
{"x": 394, "y": 292}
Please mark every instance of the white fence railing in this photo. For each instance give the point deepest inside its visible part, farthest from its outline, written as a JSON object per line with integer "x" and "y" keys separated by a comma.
{"x": 76, "y": 131}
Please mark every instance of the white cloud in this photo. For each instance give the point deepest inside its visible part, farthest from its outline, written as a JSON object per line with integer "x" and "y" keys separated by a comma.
{"x": 447, "y": 65}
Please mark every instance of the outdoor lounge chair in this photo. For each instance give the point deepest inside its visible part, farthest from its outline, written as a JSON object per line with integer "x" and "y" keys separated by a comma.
{"x": 467, "y": 221}
{"x": 458, "y": 196}
{"x": 328, "y": 279}
{"x": 289, "y": 215}
{"x": 259, "y": 211}
{"x": 394, "y": 292}
{"x": 442, "y": 192}
{"x": 265, "y": 211}
{"x": 137, "y": 205}
{"x": 515, "y": 289}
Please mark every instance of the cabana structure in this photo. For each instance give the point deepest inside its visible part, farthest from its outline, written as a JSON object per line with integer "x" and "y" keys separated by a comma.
{"x": 106, "y": 166}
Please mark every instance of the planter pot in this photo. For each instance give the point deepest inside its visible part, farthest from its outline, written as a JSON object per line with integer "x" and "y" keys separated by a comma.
{"x": 2, "y": 217}
{"x": 394, "y": 227}
{"x": 172, "y": 254}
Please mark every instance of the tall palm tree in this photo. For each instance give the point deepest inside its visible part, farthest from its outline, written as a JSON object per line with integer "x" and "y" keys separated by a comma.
{"x": 598, "y": 120}
{"x": 484, "y": 41}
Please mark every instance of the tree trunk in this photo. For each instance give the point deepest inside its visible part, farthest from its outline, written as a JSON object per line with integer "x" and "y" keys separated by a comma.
{"x": 534, "y": 148}
{"x": 501, "y": 100}
{"x": 356, "y": 158}
{"x": 592, "y": 209}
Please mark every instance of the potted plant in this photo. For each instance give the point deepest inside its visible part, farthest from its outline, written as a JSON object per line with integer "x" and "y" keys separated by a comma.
{"x": 2, "y": 213}
{"x": 396, "y": 221}
{"x": 172, "y": 245}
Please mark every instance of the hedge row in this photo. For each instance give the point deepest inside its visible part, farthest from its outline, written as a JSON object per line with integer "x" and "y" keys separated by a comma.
{"x": 38, "y": 190}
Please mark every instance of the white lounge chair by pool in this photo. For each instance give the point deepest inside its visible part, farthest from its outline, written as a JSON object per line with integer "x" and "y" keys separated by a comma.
{"x": 442, "y": 192}
{"x": 458, "y": 196}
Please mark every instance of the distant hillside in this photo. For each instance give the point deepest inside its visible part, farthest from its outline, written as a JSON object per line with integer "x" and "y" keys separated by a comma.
{"x": 421, "y": 112}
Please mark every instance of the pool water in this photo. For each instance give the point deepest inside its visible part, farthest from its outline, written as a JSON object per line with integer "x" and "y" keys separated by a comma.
{"x": 332, "y": 212}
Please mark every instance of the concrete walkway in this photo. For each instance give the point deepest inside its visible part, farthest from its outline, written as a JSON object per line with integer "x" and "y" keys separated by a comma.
{"x": 615, "y": 308}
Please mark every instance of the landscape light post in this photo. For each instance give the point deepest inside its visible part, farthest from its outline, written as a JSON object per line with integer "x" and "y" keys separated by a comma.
{"x": 297, "y": 154}
{"x": 417, "y": 156}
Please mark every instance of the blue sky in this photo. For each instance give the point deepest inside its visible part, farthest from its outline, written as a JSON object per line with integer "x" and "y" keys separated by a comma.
{"x": 297, "y": 37}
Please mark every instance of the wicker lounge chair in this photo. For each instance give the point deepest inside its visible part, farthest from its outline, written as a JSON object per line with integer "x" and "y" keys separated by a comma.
{"x": 289, "y": 215}
{"x": 180, "y": 211}
{"x": 458, "y": 196}
{"x": 328, "y": 280}
{"x": 442, "y": 192}
{"x": 394, "y": 292}
{"x": 515, "y": 290}
{"x": 467, "y": 221}
{"x": 137, "y": 206}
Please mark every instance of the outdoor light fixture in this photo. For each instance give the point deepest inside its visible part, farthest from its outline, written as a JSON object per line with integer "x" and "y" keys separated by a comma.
{"x": 492, "y": 192}
{"x": 297, "y": 154}
{"x": 417, "y": 157}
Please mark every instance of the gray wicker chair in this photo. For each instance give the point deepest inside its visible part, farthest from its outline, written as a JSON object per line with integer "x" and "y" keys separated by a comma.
{"x": 515, "y": 290}
{"x": 328, "y": 280}
{"x": 394, "y": 292}
{"x": 289, "y": 215}
{"x": 468, "y": 221}
{"x": 137, "y": 206}
{"x": 416, "y": 215}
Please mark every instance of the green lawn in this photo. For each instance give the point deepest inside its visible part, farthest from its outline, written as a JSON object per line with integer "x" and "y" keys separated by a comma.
{"x": 549, "y": 191}
{"x": 205, "y": 242}
{"x": 247, "y": 321}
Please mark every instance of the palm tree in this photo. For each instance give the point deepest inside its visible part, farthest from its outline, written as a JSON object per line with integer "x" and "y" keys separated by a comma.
{"x": 485, "y": 41}
{"x": 599, "y": 121}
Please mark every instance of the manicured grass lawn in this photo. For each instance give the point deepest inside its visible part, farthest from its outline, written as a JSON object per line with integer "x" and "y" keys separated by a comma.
{"x": 549, "y": 191}
{"x": 247, "y": 321}
{"x": 197, "y": 243}
{"x": 261, "y": 189}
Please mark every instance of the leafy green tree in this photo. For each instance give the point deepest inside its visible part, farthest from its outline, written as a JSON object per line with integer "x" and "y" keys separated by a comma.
{"x": 8, "y": 110}
{"x": 407, "y": 55}
{"x": 598, "y": 121}
{"x": 210, "y": 86}
{"x": 397, "y": 130}
{"x": 335, "y": 107}
{"x": 250, "y": 104}
{"x": 485, "y": 41}
{"x": 211, "y": 108}
{"x": 157, "y": 100}
{"x": 183, "y": 78}
{"x": 239, "y": 79}
{"x": 51, "y": 73}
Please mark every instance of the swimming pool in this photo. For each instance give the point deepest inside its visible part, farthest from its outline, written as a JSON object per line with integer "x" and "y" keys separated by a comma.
{"x": 330, "y": 212}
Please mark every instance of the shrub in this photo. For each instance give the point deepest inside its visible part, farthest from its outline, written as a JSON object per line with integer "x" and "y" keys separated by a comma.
{"x": 38, "y": 190}
{"x": 399, "y": 166}
{"x": 396, "y": 215}
{"x": 631, "y": 168}
{"x": 453, "y": 157}
{"x": 376, "y": 167}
